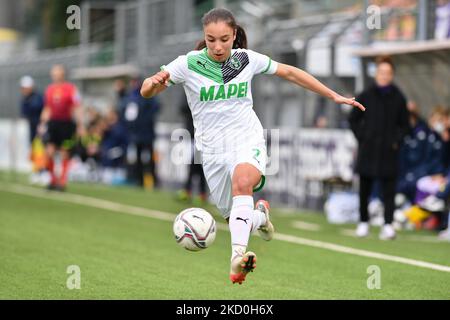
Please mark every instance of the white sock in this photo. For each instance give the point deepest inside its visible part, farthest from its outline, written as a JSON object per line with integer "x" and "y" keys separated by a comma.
{"x": 237, "y": 250}
{"x": 240, "y": 222}
{"x": 258, "y": 220}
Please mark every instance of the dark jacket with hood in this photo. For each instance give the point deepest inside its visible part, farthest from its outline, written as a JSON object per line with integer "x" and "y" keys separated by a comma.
{"x": 379, "y": 130}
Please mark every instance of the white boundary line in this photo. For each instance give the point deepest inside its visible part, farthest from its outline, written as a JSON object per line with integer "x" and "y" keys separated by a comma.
{"x": 428, "y": 239}
{"x": 138, "y": 211}
{"x": 308, "y": 226}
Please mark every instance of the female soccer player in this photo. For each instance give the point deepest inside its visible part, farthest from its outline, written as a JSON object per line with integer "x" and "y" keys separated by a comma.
{"x": 216, "y": 78}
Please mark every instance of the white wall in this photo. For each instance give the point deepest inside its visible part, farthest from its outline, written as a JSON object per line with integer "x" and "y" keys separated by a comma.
{"x": 14, "y": 145}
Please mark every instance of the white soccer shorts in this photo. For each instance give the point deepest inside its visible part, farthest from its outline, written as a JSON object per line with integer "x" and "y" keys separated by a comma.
{"x": 219, "y": 168}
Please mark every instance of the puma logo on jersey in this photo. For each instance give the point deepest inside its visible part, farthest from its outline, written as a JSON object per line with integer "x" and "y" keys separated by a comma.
{"x": 245, "y": 220}
{"x": 223, "y": 92}
{"x": 201, "y": 64}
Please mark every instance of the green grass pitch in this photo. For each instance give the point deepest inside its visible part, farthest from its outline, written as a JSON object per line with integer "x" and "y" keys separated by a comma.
{"x": 123, "y": 256}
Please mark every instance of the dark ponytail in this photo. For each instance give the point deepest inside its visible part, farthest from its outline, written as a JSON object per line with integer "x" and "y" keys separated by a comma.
{"x": 219, "y": 14}
{"x": 241, "y": 38}
{"x": 200, "y": 45}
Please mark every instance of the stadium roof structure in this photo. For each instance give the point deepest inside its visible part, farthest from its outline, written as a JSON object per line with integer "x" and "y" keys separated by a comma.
{"x": 422, "y": 69}
{"x": 400, "y": 48}
{"x": 318, "y": 40}
{"x": 104, "y": 72}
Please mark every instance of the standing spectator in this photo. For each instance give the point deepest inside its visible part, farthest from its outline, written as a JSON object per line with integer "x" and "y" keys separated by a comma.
{"x": 379, "y": 132}
{"x": 32, "y": 105}
{"x": 139, "y": 116}
{"x": 120, "y": 88}
{"x": 195, "y": 169}
{"x": 113, "y": 148}
{"x": 62, "y": 107}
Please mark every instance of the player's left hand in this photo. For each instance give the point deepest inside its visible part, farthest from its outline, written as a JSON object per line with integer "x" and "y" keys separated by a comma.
{"x": 350, "y": 101}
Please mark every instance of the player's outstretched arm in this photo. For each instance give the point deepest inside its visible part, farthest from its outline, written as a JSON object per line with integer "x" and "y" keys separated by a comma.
{"x": 307, "y": 81}
{"x": 155, "y": 84}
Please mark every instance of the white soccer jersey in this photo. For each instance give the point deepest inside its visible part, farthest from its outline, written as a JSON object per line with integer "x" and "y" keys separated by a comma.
{"x": 219, "y": 96}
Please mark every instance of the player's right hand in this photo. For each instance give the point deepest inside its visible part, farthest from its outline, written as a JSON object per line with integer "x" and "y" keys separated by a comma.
{"x": 154, "y": 82}
{"x": 159, "y": 79}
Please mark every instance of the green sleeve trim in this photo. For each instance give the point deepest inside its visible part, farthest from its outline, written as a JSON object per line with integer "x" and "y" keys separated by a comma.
{"x": 268, "y": 67}
{"x": 163, "y": 68}
{"x": 261, "y": 184}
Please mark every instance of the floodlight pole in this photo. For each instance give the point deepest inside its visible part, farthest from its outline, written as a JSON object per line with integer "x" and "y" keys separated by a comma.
{"x": 363, "y": 79}
{"x": 427, "y": 17}
{"x": 119, "y": 33}
{"x": 84, "y": 32}
{"x": 366, "y": 34}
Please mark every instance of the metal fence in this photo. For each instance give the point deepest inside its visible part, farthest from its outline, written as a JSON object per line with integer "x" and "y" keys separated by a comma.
{"x": 38, "y": 67}
{"x": 150, "y": 33}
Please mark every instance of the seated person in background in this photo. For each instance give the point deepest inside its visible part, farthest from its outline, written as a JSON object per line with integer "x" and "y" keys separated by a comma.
{"x": 433, "y": 190}
{"x": 88, "y": 147}
{"x": 436, "y": 199}
{"x": 113, "y": 149}
{"x": 437, "y": 154}
{"x": 413, "y": 156}
{"x": 438, "y": 140}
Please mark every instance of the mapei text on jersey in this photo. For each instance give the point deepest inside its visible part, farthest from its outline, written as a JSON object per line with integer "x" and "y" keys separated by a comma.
{"x": 224, "y": 91}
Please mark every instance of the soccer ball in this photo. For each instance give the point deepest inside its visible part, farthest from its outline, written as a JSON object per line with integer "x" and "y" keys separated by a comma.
{"x": 194, "y": 229}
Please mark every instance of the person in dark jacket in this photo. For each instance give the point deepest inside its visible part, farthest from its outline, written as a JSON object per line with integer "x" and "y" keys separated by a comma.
{"x": 413, "y": 162}
{"x": 32, "y": 105}
{"x": 139, "y": 117}
{"x": 433, "y": 191}
{"x": 114, "y": 143}
{"x": 438, "y": 139}
{"x": 121, "y": 93}
{"x": 195, "y": 169}
{"x": 379, "y": 131}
